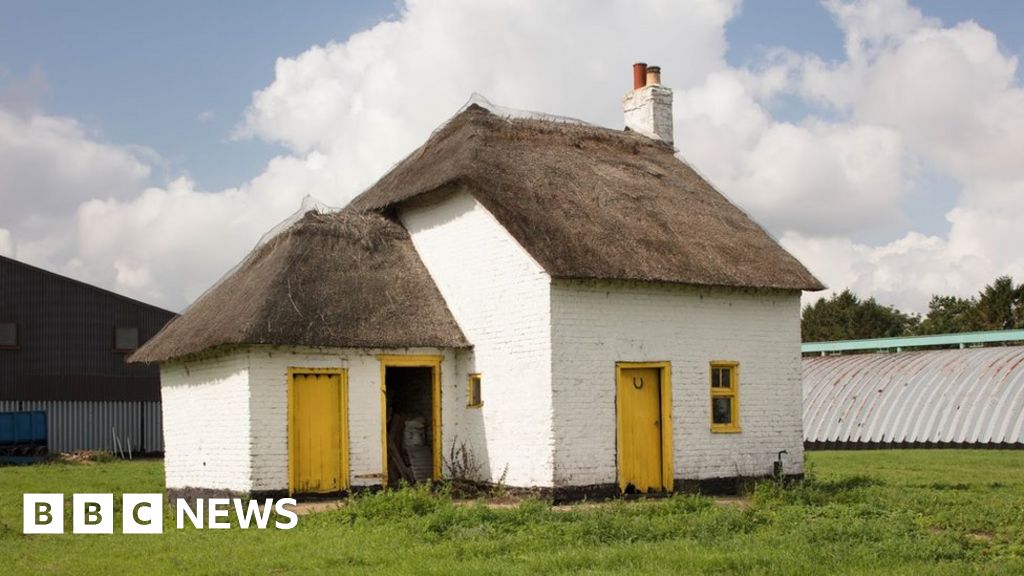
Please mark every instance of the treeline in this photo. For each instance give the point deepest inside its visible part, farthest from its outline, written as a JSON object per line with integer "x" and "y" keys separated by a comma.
{"x": 844, "y": 316}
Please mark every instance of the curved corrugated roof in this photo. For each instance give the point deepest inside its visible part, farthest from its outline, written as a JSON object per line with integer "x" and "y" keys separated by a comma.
{"x": 969, "y": 396}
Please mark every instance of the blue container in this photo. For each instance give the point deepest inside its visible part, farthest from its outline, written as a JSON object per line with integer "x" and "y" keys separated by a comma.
{"x": 23, "y": 428}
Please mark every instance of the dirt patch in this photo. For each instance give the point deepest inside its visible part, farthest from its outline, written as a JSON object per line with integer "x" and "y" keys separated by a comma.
{"x": 506, "y": 502}
{"x": 87, "y": 457}
{"x": 303, "y": 508}
{"x": 739, "y": 502}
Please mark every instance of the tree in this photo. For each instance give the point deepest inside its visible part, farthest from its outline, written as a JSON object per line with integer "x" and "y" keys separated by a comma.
{"x": 1001, "y": 305}
{"x": 950, "y": 315}
{"x": 846, "y": 317}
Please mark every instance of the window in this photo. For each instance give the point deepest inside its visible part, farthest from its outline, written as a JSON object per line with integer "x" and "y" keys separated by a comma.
{"x": 8, "y": 335}
{"x": 126, "y": 339}
{"x": 474, "y": 400}
{"x": 725, "y": 397}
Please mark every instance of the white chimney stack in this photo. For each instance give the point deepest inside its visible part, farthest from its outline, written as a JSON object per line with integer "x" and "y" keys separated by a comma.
{"x": 648, "y": 108}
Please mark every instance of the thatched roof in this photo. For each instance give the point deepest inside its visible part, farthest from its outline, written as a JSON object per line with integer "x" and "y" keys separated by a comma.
{"x": 594, "y": 203}
{"x": 336, "y": 280}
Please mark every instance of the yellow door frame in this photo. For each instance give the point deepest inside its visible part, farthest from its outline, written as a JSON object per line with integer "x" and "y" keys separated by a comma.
{"x": 411, "y": 361}
{"x": 665, "y": 380}
{"x": 342, "y": 374}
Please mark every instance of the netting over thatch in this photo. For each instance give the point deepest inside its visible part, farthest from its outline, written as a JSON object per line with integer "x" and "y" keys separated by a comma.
{"x": 346, "y": 279}
{"x": 593, "y": 203}
{"x": 586, "y": 202}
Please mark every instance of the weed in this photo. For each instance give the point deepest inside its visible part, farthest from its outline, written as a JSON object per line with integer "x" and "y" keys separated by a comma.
{"x": 881, "y": 512}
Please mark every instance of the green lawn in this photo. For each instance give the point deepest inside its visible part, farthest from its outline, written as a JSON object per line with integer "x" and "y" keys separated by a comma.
{"x": 883, "y": 512}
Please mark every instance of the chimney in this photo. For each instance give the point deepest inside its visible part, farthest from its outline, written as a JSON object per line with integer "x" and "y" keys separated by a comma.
{"x": 653, "y": 76}
{"x": 648, "y": 108}
{"x": 639, "y": 75}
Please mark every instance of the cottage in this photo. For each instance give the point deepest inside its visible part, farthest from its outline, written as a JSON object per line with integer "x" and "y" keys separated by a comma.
{"x": 562, "y": 306}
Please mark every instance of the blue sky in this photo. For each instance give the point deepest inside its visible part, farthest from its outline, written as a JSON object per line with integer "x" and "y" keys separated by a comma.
{"x": 172, "y": 76}
{"x": 184, "y": 99}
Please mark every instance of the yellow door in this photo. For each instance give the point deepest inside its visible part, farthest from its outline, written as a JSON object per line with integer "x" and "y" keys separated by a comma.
{"x": 318, "y": 433}
{"x": 640, "y": 437}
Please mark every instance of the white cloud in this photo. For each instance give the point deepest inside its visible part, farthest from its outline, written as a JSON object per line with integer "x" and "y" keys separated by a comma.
{"x": 872, "y": 26}
{"x": 48, "y": 165}
{"x": 910, "y": 99}
{"x": 813, "y": 177}
{"x": 954, "y": 99}
{"x": 348, "y": 111}
{"x": 6, "y": 244}
{"x": 904, "y": 273}
{"x": 374, "y": 97}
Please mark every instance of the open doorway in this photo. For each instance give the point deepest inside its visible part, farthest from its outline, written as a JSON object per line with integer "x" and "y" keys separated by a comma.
{"x": 411, "y": 397}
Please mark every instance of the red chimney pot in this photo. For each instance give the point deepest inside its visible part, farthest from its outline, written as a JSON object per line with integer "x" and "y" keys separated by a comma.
{"x": 639, "y": 75}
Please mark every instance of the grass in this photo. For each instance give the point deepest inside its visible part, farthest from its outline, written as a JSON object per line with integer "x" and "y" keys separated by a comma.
{"x": 881, "y": 512}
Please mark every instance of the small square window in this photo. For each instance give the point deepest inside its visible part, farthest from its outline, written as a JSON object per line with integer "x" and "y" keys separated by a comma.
{"x": 8, "y": 335}
{"x": 474, "y": 399}
{"x": 126, "y": 339}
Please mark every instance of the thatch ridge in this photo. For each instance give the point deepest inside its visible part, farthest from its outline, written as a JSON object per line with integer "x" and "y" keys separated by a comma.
{"x": 346, "y": 279}
{"x": 594, "y": 203}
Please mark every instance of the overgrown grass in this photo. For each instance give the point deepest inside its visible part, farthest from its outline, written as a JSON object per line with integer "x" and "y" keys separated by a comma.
{"x": 886, "y": 512}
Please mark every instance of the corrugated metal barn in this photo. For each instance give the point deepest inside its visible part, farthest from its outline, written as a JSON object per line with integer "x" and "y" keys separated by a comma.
{"x": 965, "y": 396}
{"x": 63, "y": 345}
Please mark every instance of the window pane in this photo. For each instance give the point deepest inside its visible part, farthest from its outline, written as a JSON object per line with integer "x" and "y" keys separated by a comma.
{"x": 716, "y": 377}
{"x": 726, "y": 377}
{"x": 721, "y": 410}
{"x": 126, "y": 338}
{"x": 8, "y": 334}
{"x": 474, "y": 391}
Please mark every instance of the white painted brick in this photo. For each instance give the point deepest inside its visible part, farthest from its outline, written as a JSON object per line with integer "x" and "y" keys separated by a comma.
{"x": 596, "y": 324}
{"x": 206, "y": 423}
{"x": 649, "y": 112}
{"x": 547, "y": 353}
{"x": 227, "y": 417}
{"x": 269, "y": 406}
{"x": 501, "y": 299}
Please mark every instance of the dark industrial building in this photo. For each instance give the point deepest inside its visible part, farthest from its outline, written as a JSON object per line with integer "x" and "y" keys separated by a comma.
{"x": 63, "y": 345}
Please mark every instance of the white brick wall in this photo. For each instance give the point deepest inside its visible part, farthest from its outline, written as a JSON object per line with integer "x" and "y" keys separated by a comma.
{"x": 649, "y": 112}
{"x": 596, "y": 324}
{"x": 206, "y": 422}
{"x": 269, "y": 405}
{"x": 547, "y": 353}
{"x": 501, "y": 299}
{"x": 226, "y": 417}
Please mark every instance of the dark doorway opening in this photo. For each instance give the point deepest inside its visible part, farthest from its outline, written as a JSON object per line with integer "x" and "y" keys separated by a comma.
{"x": 410, "y": 424}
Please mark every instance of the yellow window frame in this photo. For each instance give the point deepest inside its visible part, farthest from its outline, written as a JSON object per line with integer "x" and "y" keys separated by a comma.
{"x": 410, "y": 361}
{"x": 478, "y": 379}
{"x": 732, "y": 392}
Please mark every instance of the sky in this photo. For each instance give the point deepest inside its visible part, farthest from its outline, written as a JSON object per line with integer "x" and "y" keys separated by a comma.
{"x": 146, "y": 147}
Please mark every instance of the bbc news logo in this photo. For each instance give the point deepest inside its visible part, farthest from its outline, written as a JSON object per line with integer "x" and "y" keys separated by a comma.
{"x": 144, "y": 513}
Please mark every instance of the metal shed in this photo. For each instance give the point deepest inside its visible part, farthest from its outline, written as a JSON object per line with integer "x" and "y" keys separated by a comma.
{"x": 946, "y": 397}
{"x": 63, "y": 345}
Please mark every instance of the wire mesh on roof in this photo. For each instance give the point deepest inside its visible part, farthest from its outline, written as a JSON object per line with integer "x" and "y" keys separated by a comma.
{"x": 309, "y": 204}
